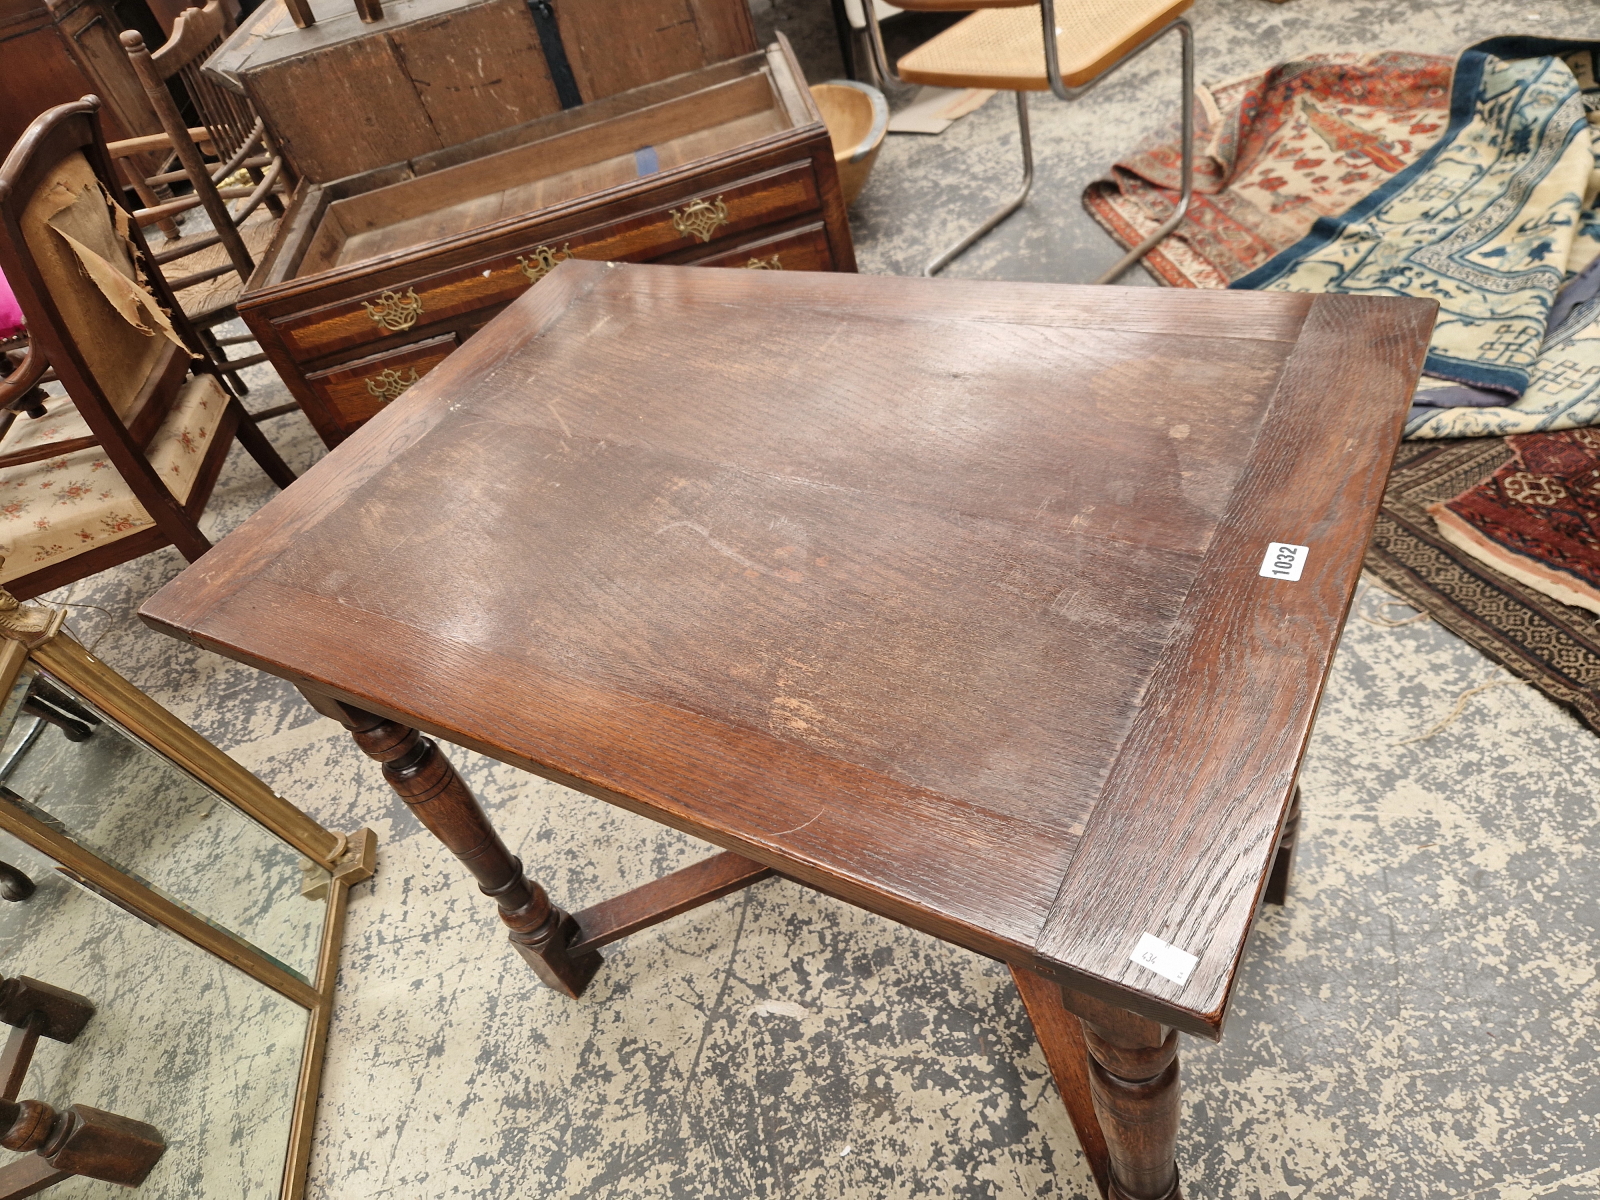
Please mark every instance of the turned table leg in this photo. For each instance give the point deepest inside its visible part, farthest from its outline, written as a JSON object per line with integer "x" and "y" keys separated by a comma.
{"x": 434, "y": 791}
{"x": 1133, "y": 1081}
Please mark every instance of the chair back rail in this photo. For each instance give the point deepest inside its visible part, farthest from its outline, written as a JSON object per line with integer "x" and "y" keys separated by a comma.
{"x": 222, "y": 220}
{"x": 195, "y": 35}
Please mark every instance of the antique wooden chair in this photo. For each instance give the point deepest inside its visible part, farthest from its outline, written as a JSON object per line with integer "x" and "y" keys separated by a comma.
{"x": 125, "y": 461}
{"x": 215, "y": 265}
{"x": 1002, "y": 45}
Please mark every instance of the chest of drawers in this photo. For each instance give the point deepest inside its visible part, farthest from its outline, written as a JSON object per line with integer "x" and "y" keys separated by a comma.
{"x": 373, "y": 280}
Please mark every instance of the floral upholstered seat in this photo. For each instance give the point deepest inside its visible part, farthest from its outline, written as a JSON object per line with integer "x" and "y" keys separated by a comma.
{"x": 121, "y": 464}
{"x": 62, "y": 505}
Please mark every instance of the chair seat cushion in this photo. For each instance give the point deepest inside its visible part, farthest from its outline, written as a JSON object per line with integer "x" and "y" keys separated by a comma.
{"x": 1004, "y": 47}
{"x": 58, "y": 507}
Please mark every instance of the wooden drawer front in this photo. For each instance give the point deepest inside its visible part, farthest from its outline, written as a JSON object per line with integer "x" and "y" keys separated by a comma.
{"x": 804, "y": 249}
{"x": 718, "y": 213}
{"x": 708, "y": 216}
{"x": 356, "y": 391}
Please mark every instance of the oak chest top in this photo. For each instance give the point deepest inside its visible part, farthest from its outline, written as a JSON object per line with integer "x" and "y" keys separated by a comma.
{"x": 943, "y": 597}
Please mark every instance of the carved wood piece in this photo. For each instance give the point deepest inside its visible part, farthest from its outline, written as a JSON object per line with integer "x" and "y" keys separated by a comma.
{"x": 25, "y": 1124}
{"x": 1133, "y": 1078}
{"x": 432, "y": 789}
{"x": 65, "y": 1013}
{"x": 14, "y": 884}
{"x": 76, "y": 1141}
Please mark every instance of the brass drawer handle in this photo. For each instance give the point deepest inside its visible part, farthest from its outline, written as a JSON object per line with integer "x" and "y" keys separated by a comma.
{"x": 542, "y": 261}
{"x": 764, "y": 264}
{"x": 395, "y": 312}
{"x": 700, "y": 218}
{"x": 389, "y": 384}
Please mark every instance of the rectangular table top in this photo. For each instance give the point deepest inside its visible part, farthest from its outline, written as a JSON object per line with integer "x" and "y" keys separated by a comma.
{"x": 943, "y": 597}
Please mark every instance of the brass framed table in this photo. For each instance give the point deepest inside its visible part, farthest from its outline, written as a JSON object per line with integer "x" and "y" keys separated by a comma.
{"x": 1001, "y": 610}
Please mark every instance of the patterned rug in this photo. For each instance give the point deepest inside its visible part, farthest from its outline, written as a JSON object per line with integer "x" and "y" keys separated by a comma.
{"x": 1552, "y": 645}
{"x": 1274, "y": 152}
{"x": 1472, "y": 183}
{"x": 1537, "y": 518}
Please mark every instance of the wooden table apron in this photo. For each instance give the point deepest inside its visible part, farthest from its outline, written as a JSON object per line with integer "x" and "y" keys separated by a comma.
{"x": 1027, "y": 523}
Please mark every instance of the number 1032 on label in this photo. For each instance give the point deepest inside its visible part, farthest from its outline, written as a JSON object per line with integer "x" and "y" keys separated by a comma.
{"x": 1284, "y": 561}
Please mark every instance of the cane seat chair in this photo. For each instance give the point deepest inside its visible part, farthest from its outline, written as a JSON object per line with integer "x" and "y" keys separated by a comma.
{"x": 209, "y": 270}
{"x": 1003, "y": 46}
{"x": 125, "y": 461}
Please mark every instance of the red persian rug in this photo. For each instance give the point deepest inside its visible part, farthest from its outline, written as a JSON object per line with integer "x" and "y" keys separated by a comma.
{"x": 1537, "y": 518}
{"x": 1274, "y": 152}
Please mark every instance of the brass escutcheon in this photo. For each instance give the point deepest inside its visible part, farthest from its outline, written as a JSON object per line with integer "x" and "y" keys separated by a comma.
{"x": 542, "y": 261}
{"x": 700, "y": 218}
{"x": 389, "y": 384}
{"x": 764, "y": 264}
{"x": 395, "y": 312}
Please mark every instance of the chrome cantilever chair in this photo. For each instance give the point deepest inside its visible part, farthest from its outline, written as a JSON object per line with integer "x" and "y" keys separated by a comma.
{"x": 1002, "y": 45}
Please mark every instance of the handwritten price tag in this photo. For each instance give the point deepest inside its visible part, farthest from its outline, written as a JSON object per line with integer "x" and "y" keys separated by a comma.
{"x": 1164, "y": 959}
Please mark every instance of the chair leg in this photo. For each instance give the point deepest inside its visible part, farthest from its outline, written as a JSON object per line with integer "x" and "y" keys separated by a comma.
{"x": 1126, "y": 262}
{"x": 1001, "y": 213}
{"x": 259, "y": 448}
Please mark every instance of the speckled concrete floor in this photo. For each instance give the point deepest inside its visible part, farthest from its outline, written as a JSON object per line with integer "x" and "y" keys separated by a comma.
{"x": 1422, "y": 1020}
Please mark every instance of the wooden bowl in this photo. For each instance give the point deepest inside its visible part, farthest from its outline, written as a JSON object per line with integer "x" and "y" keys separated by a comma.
{"x": 857, "y": 116}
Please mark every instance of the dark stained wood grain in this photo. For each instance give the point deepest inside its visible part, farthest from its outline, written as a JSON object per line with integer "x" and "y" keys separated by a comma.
{"x": 615, "y": 45}
{"x": 1133, "y": 1082}
{"x": 78, "y": 1140}
{"x": 1189, "y": 822}
{"x": 937, "y": 596}
{"x": 55, "y": 53}
{"x": 62, "y": 1014}
{"x": 872, "y": 516}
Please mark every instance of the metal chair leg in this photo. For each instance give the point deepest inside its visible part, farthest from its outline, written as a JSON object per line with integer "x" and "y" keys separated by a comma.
{"x": 1005, "y": 210}
{"x": 1172, "y": 222}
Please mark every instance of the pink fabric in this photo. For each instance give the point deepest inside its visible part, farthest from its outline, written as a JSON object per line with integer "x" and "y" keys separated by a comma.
{"x": 11, "y": 322}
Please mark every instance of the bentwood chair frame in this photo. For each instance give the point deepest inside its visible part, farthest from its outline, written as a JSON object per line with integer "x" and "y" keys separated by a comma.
{"x": 55, "y": 347}
{"x": 1057, "y": 85}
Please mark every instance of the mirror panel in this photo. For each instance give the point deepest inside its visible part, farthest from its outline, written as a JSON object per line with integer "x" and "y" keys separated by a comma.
{"x": 180, "y": 1039}
{"x": 85, "y": 776}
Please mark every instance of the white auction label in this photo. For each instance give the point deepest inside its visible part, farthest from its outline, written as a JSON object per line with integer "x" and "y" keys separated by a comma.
{"x": 1284, "y": 561}
{"x": 1164, "y": 959}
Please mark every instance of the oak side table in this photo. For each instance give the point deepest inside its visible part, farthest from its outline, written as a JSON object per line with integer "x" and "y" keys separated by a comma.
{"x": 1001, "y": 610}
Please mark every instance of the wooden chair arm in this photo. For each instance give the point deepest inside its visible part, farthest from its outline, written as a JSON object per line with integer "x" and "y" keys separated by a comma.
{"x": 157, "y": 141}
{"x": 149, "y": 216}
{"x": 27, "y": 374}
